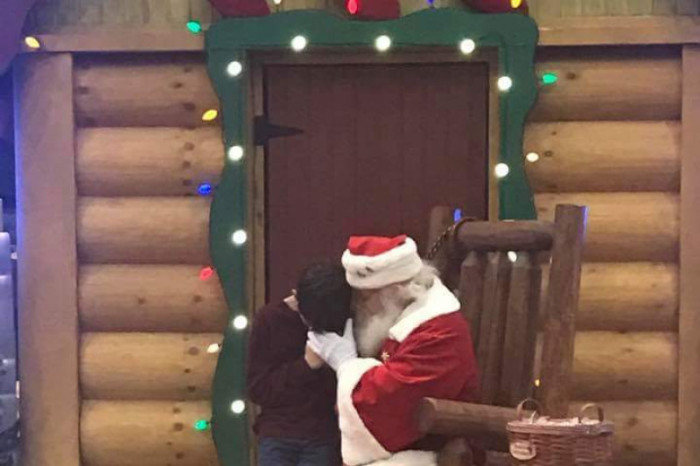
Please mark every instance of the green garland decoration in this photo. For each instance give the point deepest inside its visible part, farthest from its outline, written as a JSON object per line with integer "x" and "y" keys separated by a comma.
{"x": 231, "y": 40}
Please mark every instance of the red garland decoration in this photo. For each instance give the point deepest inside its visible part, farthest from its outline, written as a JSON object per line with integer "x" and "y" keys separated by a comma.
{"x": 498, "y": 6}
{"x": 241, "y": 8}
{"x": 373, "y": 10}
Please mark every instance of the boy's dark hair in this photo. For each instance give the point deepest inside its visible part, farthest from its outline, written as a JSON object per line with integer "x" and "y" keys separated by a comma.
{"x": 324, "y": 297}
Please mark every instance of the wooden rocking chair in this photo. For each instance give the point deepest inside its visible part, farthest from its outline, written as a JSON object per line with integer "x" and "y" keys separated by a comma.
{"x": 495, "y": 268}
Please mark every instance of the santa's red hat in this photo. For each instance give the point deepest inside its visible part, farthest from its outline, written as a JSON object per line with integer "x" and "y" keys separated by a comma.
{"x": 374, "y": 262}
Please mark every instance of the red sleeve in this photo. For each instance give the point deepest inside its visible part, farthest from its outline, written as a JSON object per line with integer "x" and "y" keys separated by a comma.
{"x": 268, "y": 379}
{"x": 432, "y": 362}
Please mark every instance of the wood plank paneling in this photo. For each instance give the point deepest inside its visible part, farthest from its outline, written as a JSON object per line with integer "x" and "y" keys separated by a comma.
{"x": 423, "y": 159}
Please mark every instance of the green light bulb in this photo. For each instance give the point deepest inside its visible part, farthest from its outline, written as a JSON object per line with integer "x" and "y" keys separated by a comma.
{"x": 201, "y": 424}
{"x": 549, "y": 78}
{"x": 194, "y": 26}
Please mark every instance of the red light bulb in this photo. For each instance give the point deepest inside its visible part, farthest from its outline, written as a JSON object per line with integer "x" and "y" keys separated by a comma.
{"x": 353, "y": 6}
{"x": 206, "y": 273}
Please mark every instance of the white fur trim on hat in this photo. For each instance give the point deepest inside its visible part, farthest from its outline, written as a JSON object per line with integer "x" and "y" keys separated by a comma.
{"x": 359, "y": 447}
{"x": 371, "y": 272}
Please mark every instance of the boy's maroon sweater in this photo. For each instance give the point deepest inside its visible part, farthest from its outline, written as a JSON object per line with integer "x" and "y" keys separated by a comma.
{"x": 296, "y": 401}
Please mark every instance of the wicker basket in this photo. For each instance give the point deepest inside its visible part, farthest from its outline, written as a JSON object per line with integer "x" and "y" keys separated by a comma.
{"x": 539, "y": 441}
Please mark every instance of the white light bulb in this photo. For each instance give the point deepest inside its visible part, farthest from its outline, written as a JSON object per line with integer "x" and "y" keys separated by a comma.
{"x": 532, "y": 157}
{"x": 235, "y": 153}
{"x": 383, "y": 43}
{"x": 239, "y": 237}
{"x": 277, "y": 2}
{"x": 505, "y": 83}
{"x": 467, "y": 46}
{"x": 299, "y": 43}
{"x": 512, "y": 256}
{"x": 501, "y": 170}
{"x": 240, "y": 322}
{"x": 234, "y": 68}
{"x": 238, "y": 406}
{"x": 214, "y": 348}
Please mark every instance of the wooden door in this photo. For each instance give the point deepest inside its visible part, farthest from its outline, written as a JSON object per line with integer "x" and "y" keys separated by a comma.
{"x": 382, "y": 145}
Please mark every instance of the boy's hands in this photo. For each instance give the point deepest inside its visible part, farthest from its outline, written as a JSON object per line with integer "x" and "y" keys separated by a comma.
{"x": 334, "y": 349}
{"x": 312, "y": 359}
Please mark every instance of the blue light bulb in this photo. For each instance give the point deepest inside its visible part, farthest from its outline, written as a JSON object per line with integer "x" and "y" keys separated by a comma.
{"x": 204, "y": 189}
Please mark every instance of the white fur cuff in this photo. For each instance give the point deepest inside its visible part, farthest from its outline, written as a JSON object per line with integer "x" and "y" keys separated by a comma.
{"x": 409, "y": 458}
{"x": 359, "y": 446}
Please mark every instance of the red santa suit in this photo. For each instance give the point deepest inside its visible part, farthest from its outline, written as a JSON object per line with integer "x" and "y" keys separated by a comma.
{"x": 428, "y": 353}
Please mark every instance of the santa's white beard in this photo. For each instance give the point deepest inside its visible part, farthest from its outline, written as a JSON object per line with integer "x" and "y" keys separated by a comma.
{"x": 372, "y": 326}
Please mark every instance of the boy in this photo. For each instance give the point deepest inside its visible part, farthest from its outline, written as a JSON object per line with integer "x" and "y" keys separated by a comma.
{"x": 298, "y": 425}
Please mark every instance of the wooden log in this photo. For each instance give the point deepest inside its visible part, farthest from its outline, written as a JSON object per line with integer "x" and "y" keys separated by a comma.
{"x": 145, "y": 433}
{"x": 504, "y": 236}
{"x": 645, "y": 432}
{"x": 149, "y": 298}
{"x": 626, "y": 366}
{"x": 47, "y": 282}
{"x": 147, "y": 366}
{"x": 599, "y": 84}
{"x": 453, "y": 418}
{"x": 143, "y": 230}
{"x": 604, "y": 156}
{"x": 147, "y": 161}
{"x": 560, "y": 305}
{"x": 521, "y": 331}
{"x": 457, "y": 452}
{"x": 635, "y": 296}
{"x": 471, "y": 291}
{"x": 624, "y": 226}
{"x": 492, "y": 326}
{"x": 142, "y": 90}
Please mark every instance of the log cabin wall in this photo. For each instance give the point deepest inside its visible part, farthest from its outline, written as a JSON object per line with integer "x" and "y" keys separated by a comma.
{"x": 608, "y": 135}
{"x": 146, "y": 317}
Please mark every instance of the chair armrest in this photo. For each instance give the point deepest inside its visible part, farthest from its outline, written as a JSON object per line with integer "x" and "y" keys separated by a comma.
{"x": 456, "y": 419}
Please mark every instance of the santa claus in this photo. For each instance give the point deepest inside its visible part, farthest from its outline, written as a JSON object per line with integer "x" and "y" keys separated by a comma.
{"x": 412, "y": 342}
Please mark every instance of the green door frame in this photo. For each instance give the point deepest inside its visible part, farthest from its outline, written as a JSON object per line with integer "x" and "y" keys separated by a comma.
{"x": 229, "y": 45}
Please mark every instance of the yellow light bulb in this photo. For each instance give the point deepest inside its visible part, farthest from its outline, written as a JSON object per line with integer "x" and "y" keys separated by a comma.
{"x": 516, "y": 3}
{"x": 210, "y": 115}
{"x": 32, "y": 42}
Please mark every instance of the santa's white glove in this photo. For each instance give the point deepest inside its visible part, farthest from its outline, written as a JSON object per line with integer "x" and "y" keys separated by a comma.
{"x": 333, "y": 348}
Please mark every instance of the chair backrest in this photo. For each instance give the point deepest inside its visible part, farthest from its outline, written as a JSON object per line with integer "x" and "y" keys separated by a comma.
{"x": 496, "y": 270}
